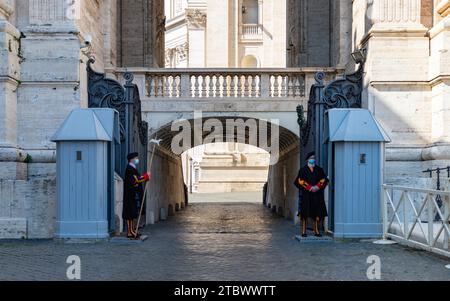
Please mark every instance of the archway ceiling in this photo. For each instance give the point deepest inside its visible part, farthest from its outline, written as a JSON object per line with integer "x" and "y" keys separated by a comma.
{"x": 286, "y": 138}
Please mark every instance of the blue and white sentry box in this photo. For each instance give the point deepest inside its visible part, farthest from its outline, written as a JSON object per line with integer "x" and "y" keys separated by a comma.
{"x": 83, "y": 150}
{"x": 355, "y": 144}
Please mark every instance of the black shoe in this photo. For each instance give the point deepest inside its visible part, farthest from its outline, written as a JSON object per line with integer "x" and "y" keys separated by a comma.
{"x": 318, "y": 235}
{"x": 305, "y": 235}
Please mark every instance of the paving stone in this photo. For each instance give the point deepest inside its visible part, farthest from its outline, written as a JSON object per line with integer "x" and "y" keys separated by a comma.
{"x": 218, "y": 241}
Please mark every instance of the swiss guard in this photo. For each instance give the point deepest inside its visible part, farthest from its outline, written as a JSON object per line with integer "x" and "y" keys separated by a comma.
{"x": 312, "y": 181}
{"x": 132, "y": 194}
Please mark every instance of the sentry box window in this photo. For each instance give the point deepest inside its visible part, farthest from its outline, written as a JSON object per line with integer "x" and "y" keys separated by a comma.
{"x": 79, "y": 156}
{"x": 362, "y": 159}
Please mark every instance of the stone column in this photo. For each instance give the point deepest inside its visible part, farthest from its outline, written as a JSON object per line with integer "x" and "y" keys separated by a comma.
{"x": 196, "y": 26}
{"x": 260, "y": 12}
{"x": 9, "y": 82}
{"x": 396, "y": 78}
{"x": 393, "y": 15}
{"x": 50, "y": 74}
{"x": 439, "y": 74}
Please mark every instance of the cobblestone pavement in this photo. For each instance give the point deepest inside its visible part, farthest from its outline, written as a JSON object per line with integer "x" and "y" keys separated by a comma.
{"x": 218, "y": 241}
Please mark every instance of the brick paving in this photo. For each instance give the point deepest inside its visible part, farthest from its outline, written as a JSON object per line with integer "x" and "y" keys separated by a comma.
{"x": 218, "y": 241}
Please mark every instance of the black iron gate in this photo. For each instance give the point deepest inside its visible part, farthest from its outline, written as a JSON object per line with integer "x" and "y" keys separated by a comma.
{"x": 345, "y": 92}
{"x": 109, "y": 93}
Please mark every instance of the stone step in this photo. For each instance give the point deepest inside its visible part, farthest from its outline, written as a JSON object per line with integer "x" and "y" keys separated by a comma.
{"x": 312, "y": 239}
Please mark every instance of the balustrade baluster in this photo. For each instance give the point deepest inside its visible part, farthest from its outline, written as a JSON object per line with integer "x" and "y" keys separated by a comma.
{"x": 225, "y": 86}
{"x": 197, "y": 91}
{"x": 291, "y": 86}
{"x": 284, "y": 85}
{"x": 203, "y": 86}
{"x": 160, "y": 86}
{"x": 173, "y": 87}
{"x": 298, "y": 87}
{"x": 239, "y": 86}
{"x": 178, "y": 86}
{"x": 246, "y": 92}
{"x": 232, "y": 88}
{"x": 253, "y": 92}
{"x": 166, "y": 91}
{"x": 149, "y": 85}
{"x": 211, "y": 86}
{"x": 217, "y": 86}
{"x": 276, "y": 87}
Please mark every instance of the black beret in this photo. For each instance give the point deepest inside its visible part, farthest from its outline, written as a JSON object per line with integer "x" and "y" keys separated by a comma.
{"x": 310, "y": 155}
{"x": 132, "y": 156}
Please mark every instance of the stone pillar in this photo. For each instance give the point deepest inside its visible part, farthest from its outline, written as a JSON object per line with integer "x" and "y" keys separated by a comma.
{"x": 260, "y": 12}
{"x": 196, "y": 24}
{"x": 9, "y": 82}
{"x": 50, "y": 72}
{"x": 439, "y": 70}
{"x": 396, "y": 81}
{"x": 392, "y": 15}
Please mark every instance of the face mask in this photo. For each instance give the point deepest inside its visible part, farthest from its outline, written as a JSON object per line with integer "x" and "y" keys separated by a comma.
{"x": 136, "y": 161}
{"x": 312, "y": 162}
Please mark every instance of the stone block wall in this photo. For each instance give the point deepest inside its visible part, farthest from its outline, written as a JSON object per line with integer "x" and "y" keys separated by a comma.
{"x": 281, "y": 193}
{"x": 166, "y": 187}
{"x": 27, "y": 209}
{"x": 406, "y": 80}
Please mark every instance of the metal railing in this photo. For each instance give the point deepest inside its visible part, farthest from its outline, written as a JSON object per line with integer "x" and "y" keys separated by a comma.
{"x": 409, "y": 217}
{"x": 226, "y": 83}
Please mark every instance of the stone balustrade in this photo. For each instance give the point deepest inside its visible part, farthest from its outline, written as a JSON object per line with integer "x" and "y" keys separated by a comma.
{"x": 226, "y": 83}
{"x": 251, "y": 31}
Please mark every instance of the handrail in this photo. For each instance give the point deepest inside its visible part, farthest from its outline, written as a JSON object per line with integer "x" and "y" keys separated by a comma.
{"x": 407, "y": 209}
{"x": 433, "y": 191}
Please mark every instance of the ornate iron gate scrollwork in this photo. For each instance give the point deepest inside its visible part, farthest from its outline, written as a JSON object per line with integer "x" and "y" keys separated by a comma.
{"x": 345, "y": 92}
{"x": 109, "y": 93}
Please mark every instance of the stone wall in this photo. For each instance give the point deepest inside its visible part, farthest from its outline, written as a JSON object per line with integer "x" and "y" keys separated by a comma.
{"x": 406, "y": 80}
{"x": 141, "y": 30}
{"x": 27, "y": 209}
{"x": 282, "y": 195}
{"x": 319, "y": 33}
{"x": 45, "y": 81}
{"x": 166, "y": 187}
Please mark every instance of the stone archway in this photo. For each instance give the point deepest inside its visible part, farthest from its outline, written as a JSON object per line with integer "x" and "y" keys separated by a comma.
{"x": 167, "y": 191}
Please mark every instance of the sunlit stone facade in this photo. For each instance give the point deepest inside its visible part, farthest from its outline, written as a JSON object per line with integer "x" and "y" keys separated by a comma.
{"x": 42, "y": 78}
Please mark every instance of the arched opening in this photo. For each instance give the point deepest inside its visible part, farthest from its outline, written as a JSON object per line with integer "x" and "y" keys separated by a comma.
{"x": 225, "y": 170}
{"x": 238, "y": 168}
{"x": 249, "y": 61}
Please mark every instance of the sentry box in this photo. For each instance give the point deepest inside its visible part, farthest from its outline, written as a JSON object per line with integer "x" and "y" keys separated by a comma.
{"x": 85, "y": 173}
{"x": 355, "y": 144}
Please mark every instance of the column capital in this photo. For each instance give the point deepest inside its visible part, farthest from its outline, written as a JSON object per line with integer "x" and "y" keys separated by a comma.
{"x": 196, "y": 18}
{"x": 395, "y": 15}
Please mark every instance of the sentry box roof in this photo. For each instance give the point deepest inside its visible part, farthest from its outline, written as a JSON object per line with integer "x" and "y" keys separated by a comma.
{"x": 89, "y": 125}
{"x": 353, "y": 125}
